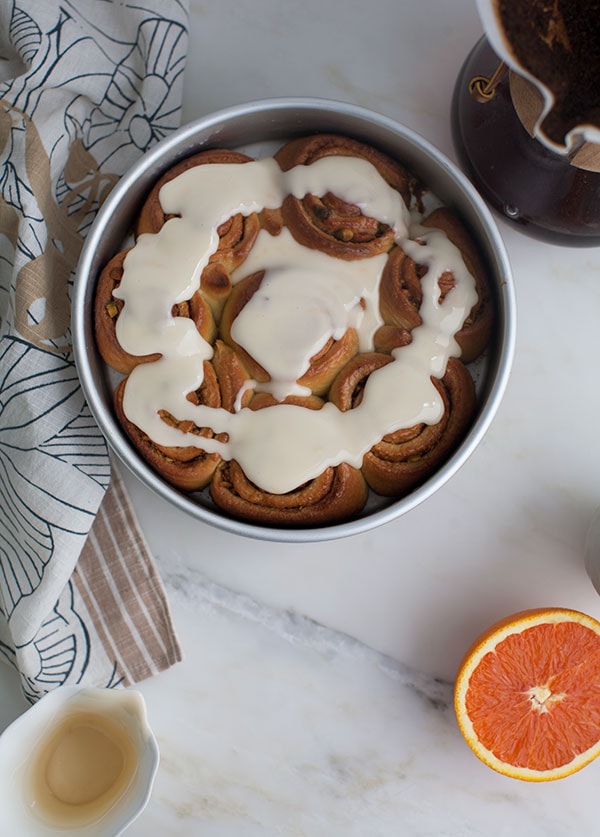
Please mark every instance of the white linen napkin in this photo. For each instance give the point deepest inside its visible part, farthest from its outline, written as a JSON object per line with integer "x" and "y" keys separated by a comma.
{"x": 88, "y": 86}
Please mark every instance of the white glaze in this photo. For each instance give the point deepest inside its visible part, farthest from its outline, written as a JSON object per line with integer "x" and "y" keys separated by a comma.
{"x": 281, "y": 447}
{"x": 19, "y": 747}
{"x": 316, "y": 310}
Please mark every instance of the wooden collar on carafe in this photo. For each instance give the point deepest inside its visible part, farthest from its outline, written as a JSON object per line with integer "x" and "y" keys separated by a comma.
{"x": 528, "y": 104}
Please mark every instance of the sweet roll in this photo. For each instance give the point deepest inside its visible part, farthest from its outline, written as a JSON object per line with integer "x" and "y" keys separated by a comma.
{"x": 404, "y": 459}
{"x": 476, "y": 333}
{"x": 337, "y": 494}
{"x": 327, "y": 222}
{"x": 186, "y": 467}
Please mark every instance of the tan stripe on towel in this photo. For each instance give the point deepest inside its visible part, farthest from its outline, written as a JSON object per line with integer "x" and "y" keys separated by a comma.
{"x": 124, "y": 595}
{"x": 102, "y": 632}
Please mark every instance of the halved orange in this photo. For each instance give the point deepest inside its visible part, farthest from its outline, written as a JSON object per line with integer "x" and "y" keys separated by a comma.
{"x": 527, "y": 694}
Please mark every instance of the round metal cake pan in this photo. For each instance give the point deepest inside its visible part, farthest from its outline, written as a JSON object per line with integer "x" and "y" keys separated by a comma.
{"x": 261, "y": 125}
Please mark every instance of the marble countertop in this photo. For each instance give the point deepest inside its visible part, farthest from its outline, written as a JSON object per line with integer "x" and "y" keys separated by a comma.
{"x": 315, "y": 694}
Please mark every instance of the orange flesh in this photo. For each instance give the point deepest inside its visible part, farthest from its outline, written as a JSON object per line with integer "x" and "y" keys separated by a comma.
{"x": 534, "y": 701}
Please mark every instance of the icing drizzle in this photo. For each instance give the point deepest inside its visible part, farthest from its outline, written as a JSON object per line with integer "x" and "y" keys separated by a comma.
{"x": 305, "y": 298}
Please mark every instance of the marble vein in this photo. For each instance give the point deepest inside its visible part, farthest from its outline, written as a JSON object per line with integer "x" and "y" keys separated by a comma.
{"x": 276, "y": 725}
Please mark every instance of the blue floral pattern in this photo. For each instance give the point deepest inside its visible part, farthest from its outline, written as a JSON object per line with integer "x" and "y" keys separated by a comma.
{"x": 100, "y": 82}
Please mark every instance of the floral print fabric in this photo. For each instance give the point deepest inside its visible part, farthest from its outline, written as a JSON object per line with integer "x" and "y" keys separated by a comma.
{"x": 88, "y": 86}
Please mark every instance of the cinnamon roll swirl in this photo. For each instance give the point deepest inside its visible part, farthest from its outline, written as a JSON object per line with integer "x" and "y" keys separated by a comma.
{"x": 108, "y": 307}
{"x": 337, "y": 494}
{"x": 401, "y": 292}
{"x": 106, "y": 313}
{"x": 328, "y": 223}
{"x": 236, "y": 386}
{"x": 324, "y": 364}
{"x": 476, "y": 332}
{"x": 187, "y": 467}
{"x": 152, "y": 215}
{"x": 404, "y": 459}
{"x": 236, "y": 235}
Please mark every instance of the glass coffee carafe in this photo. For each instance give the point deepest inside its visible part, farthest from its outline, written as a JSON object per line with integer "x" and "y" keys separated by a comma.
{"x": 521, "y": 145}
